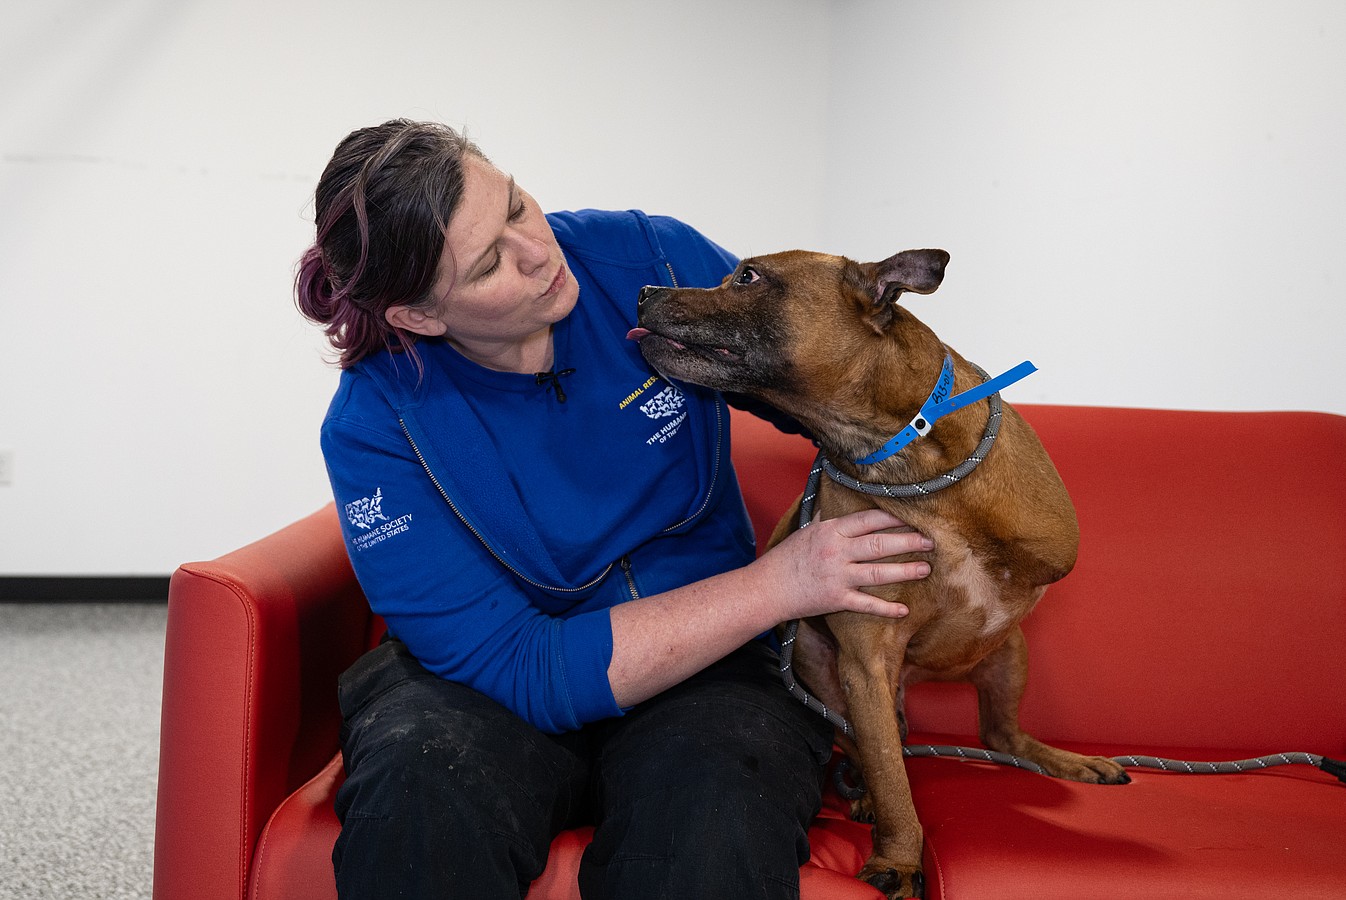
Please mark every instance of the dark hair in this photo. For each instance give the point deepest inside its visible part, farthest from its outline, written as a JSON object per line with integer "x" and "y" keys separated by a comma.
{"x": 381, "y": 208}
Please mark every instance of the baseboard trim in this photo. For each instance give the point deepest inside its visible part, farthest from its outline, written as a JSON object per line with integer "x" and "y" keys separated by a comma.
{"x": 84, "y": 589}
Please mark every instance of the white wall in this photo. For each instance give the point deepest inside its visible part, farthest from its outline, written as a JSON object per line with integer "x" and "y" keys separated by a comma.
{"x": 1144, "y": 198}
{"x": 157, "y": 160}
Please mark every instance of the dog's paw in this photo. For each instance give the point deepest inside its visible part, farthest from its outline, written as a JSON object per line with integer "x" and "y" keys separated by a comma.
{"x": 862, "y": 809}
{"x": 1112, "y": 772}
{"x": 894, "y": 882}
{"x": 1075, "y": 767}
{"x": 1099, "y": 770}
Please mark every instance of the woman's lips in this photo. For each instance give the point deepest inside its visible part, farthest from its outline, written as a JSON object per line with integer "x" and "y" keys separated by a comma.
{"x": 557, "y": 282}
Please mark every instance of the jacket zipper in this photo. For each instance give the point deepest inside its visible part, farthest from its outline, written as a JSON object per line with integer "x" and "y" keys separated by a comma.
{"x": 719, "y": 440}
{"x": 478, "y": 535}
{"x": 714, "y": 472}
{"x": 630, "y": 577}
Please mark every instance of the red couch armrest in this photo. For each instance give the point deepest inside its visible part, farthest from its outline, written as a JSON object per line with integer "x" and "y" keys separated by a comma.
{"x": 255, "y": 642}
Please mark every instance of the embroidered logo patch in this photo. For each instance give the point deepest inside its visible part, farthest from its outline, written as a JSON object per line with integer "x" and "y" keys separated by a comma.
{"x": 367, "y": 511}
{"x": 363, "y": 513}
{"x": 668, "y": 402}
{"x": 663, "y": 404}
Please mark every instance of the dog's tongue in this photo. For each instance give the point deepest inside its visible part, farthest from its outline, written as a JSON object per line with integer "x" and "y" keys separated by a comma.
{"x": 636, "y": 334}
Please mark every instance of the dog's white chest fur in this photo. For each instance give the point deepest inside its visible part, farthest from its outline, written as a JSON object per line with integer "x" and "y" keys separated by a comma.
{"x": 973, "y": 590}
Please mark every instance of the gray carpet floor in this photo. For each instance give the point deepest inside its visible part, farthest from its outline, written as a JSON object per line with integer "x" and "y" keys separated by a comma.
{"x": 80, "y": 688}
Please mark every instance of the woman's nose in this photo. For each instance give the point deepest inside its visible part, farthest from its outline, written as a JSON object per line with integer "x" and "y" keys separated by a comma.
{"x": 533, "y": 254}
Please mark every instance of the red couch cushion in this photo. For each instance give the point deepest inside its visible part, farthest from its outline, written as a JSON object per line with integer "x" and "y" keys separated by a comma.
{"x": 992, "y": 831}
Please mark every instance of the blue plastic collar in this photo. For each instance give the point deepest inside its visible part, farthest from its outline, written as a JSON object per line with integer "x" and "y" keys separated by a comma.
{"x": 939, "y": 404}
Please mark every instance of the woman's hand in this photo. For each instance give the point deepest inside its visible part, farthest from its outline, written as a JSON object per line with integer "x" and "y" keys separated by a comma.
{"x": 820, "y": 569}
{"x": 659, "y": 640}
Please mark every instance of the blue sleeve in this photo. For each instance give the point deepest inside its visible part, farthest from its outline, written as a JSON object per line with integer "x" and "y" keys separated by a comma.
{"x": 442, "y": 593}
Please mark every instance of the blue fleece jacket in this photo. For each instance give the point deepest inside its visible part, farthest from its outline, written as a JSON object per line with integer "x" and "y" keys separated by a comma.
{"x": 493, "y": 526}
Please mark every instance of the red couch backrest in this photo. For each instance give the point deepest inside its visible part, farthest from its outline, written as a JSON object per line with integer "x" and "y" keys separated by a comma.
{"x": 1208, "y": 606}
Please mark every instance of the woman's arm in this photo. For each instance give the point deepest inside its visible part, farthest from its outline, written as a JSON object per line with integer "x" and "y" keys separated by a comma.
{"x": 660, "y": 640}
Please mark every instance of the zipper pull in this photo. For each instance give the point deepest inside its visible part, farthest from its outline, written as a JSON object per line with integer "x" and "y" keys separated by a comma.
{"x": 630, "y": 577}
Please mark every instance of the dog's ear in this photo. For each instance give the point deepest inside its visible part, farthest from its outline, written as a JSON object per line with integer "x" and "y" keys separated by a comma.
{"x": 919, "y": 271}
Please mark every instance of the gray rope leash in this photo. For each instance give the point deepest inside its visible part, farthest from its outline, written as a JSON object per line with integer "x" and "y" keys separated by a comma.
{"x": 1336, "y": 768}
{"x": 1330, "y": 766}
{"x": 821, "y": 464}
{"x": 797, "y": 690}
{"x": 1230, "y": 767}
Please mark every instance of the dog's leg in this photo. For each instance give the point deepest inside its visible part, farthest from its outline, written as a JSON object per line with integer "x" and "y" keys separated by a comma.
{"x": 1000, "y": 679}
{"x": 869, "y": 663}
{"x": 902, "y": 711}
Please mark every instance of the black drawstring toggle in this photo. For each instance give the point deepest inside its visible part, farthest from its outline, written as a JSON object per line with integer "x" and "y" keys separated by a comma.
{"x": 553, "y": 382}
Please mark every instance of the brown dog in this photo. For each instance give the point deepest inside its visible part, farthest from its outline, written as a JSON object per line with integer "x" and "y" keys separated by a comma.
{"x": 823, "y": 339}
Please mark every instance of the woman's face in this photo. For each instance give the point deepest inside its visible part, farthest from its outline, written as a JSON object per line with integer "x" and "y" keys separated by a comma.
{"x": 502, "y": 279}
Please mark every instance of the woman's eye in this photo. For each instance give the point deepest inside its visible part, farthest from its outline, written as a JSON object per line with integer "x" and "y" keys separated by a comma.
{"x": 747, "y": 276}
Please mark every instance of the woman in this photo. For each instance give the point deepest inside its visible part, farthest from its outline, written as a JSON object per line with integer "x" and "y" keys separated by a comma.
{"x": 556, "y": 541}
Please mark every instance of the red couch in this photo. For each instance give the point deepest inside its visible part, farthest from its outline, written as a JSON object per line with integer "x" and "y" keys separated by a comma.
{"x": 1206, "y": 620}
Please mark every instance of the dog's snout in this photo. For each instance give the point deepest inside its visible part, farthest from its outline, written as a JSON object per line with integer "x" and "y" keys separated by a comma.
{"x": 647, "y": 293}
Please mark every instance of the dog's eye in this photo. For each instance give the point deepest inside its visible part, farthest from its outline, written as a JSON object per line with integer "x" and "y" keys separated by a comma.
{"x": 747, "y": 276}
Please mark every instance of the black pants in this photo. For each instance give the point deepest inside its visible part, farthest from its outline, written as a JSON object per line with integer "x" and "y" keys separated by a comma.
{"x": 703, "y": 792}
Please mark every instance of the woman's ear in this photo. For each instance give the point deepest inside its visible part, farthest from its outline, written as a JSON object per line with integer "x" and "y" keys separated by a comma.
{"x": 416, "y": 320}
